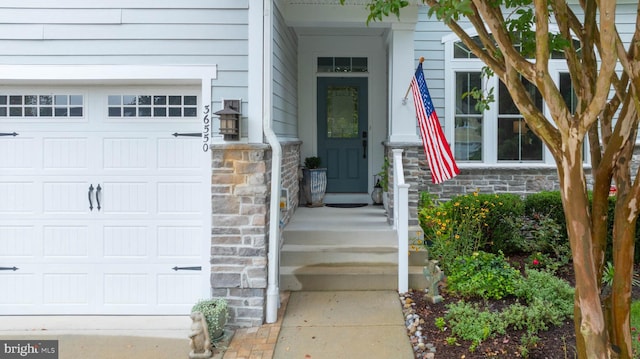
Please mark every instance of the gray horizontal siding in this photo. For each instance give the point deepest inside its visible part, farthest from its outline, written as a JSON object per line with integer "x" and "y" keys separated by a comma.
{"x": 124, "y": 32}
{"x": 285, "y": 89}
{"x": 151, "y": 4}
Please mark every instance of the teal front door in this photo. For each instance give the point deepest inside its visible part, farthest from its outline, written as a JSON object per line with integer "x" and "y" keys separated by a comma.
{"x": 343, "y": 141}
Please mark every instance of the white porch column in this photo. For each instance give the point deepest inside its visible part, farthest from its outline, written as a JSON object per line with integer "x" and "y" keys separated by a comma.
{"x": 402, "y": 65}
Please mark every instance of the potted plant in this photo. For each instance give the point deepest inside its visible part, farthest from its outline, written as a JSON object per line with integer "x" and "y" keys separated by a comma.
{"x": 216, "y": 313}
{"x": 384, "y": 182}
{"x": 314, "y": 182}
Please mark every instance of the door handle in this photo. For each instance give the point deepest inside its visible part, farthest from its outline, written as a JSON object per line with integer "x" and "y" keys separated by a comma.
{"x": 90, "y": 194}
{"x": 364, "y": 148}
{"x": 98, "y": 191}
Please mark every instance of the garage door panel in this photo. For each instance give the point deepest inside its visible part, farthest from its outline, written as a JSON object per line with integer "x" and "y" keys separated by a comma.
{"x": 179, "y": 288}
{"x": 17, "y": 197}
{"x": 179, "y": 242}
{"x": 178, "y": 153}
{"x": 65, "y": 153}
{"x": 17, "y": 152}
{"x": 126, "y": 288}
{"x": 125, "y": 153}
{"x": 69, "y": 288}
{"x": 19, "y": 289}
{"x": 179, "y": 197}
{"x": 125, "y": 241}
{"x": 17, "y": 242}
{"x": 67, "y": 197}
{"x": 66, "y": 242}
{"x": 124, "y": 197}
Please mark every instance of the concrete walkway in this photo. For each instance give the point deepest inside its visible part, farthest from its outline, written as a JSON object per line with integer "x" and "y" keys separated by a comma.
{"x": 343, "y": 324}
{"x": 311, "y": 325}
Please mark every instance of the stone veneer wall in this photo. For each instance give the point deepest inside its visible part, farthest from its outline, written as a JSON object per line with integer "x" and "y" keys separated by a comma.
{"x": 241, "y": 183}
{"x": 518, "y": 180}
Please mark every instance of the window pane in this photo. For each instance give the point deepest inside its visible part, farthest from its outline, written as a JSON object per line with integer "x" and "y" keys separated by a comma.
{"x": 342, "y": 112}
{"x": 75, "y": 111}
{"x": 144, "y": 111}
{"x": 60, "y": 111}
{"x": 129, "y": 111}
{"x": 325, "y": 64}
{"x": 516, "y": 142}
{"x": 159, "y": 100}
{"x": 506, "y": 104}
{"x": 46, "y": 100}
{"x": 75, "y": 100}
{"x": 115, "y": 100}
{"x": 129, "y": 100}
{"x": 343, "y": 64}
{"x": 190, "y": 100}
{"x": 15, "y": 100}
{"x": 359, "y": 64}
{"x": 15, "y": 111}
{"x": 566, "y": 89}
{"x": 3, "y": 100}
{"x": 31, "y": 111}
{"x": 468, "y": 135}
{"x": 465, "y": 82}
{"x": 61, "y": 100}
{"x": 175, "y": 112}
{"x": 144, "y": 100}
{"x": 175, "y": 100}
{"x": 190, "y": 112}
{"x": 115, "y": 112}
{"x": 3, "y": 112}
{"x": 31, "y": 100}
{"x": 159, "y": 112}
{"x": 46, "y": 111}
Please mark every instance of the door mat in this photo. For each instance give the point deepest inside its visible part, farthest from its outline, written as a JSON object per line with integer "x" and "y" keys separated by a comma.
{"x": 346, "y": 205}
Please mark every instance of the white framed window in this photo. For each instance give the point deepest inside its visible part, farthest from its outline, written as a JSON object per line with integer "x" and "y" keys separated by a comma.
{"x": 41, "y": 105}
{"x": 497, "y": 135}
{"x": 155, "y": 106}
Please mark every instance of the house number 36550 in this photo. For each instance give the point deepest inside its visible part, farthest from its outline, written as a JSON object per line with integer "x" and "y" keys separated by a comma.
{"x": 206, "y": 128}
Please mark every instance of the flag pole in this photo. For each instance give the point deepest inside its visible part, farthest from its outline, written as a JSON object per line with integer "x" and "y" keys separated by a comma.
{"x": 406, "y": 95}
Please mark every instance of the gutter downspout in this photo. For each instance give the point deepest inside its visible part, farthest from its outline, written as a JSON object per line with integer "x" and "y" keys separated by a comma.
{"x": 273, "y": 257}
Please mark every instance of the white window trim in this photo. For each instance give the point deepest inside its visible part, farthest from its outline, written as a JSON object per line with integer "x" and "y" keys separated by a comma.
{"x": 490, "y": 118}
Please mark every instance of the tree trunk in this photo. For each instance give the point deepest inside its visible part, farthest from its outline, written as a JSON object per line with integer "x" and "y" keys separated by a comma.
{"x": 623, "y": 250}
{"x": 590, "y": 323}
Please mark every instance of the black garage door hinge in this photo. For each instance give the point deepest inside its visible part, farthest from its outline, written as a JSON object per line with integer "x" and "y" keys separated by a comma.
{"x": 8, "y": 134}
{"x": 14, "y": 268}
{"x": 191, "y": 134}
{"x": 186, "y": 268}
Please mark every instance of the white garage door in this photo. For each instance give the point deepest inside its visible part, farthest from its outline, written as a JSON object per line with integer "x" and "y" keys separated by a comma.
{"x": 102, "y": 209}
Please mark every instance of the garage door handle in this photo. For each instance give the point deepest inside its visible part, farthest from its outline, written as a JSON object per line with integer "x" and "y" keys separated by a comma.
{"x": 90, "y": 194}
{"x": 98, "y": 191}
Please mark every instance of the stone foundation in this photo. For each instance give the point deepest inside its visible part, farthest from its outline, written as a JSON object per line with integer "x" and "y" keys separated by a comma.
{"x": 240, "y": 186}
{"x": 518, "y": 180}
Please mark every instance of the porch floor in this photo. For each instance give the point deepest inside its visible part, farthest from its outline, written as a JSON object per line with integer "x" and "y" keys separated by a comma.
{"x": 339, "y": 219}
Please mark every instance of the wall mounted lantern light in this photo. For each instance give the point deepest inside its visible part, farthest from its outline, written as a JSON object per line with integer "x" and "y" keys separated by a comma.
{"x": 230, "y": 120}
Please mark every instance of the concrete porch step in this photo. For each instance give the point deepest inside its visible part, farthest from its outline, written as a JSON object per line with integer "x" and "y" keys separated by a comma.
{"x": 354, "y": 276}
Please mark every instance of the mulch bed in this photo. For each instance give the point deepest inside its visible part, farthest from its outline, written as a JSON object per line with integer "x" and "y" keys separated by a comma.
{"x": 556, "y": 343}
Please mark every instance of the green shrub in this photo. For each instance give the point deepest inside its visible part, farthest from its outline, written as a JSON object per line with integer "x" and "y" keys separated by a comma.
{"x": 467, "y": 223}
{"x": 216, "y": 313}
{"x": 556, "y": 293}
{"x": 546, "y": 301}
{"x": 548, "y": 203}
{"x": 635, "y": 327}
{"x": 539, "y": 234}
{"x": 470, "y": 322}
{"x": 482, "y": 274}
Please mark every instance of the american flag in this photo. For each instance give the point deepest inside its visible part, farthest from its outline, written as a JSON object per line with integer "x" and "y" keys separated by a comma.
{"x": 441, "y": 162}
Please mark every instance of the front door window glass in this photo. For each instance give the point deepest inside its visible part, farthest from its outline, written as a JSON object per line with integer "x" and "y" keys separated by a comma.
{"x": 342, "y": 112}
